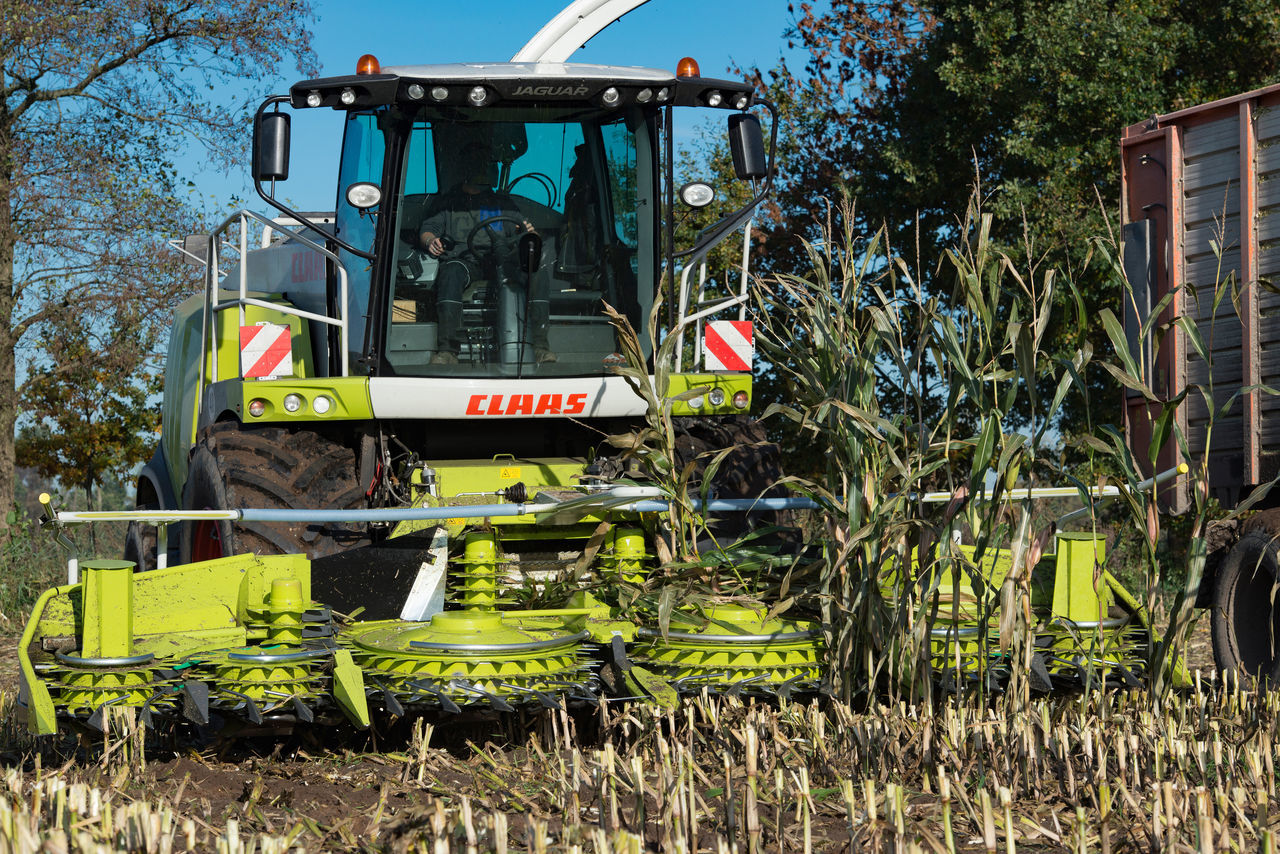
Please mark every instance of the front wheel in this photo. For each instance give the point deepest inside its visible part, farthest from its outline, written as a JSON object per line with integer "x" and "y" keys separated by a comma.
{"x": 140, "y": 546}
{"x": 1245, "y": 620}
{"x": 236, "y": 467}
{"x": 751, "y": 468}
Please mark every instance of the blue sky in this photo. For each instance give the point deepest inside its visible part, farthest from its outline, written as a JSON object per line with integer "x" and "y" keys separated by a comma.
{"x": 655, "y": 35}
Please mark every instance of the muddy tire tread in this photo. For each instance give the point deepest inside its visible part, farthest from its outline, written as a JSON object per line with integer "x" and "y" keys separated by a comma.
{"x": 1239, "y": 643}
{"x": 140, "y": 546}
{"x": 751, "y": 470}
{"x": 275, "y": 467}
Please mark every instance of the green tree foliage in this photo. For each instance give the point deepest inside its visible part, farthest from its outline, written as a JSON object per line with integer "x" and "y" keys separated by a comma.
{"x": 908, "y": 105}
{"x": 95, "y": 103}
{"x": 90, "y": 417}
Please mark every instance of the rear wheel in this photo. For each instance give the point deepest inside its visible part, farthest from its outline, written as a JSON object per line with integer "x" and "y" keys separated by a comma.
{"x": 235, "y": 467}
{"x": 1245, "y": 619}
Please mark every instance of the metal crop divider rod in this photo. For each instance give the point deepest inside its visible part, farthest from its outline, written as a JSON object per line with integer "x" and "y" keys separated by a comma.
{"x": 636, "y": 499}
{"x": 1113, "y": 491}
{"x": 640, "y": 499}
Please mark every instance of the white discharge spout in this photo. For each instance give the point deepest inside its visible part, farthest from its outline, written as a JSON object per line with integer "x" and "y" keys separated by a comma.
{"x": 576, "y": 25}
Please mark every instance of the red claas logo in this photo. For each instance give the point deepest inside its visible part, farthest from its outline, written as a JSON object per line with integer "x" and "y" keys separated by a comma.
{"x": 526, "y": 404}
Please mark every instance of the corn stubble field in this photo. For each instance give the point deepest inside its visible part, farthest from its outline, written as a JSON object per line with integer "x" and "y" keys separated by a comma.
{"x": 885, "y": 761}
{"x": 1089, "y": 773}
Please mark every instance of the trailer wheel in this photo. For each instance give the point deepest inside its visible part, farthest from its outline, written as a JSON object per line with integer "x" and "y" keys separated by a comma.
{"x": 140, "y": 546}
{"x": 269, "y": 467}
{"x": 751, "y": 470}
{"x": 1245, "y": 618}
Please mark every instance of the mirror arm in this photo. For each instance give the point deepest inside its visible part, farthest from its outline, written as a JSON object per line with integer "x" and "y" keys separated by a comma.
{"x": 285, "y": 209}
{"x": 713, "y": 233}
{"x": 669, "y": 227}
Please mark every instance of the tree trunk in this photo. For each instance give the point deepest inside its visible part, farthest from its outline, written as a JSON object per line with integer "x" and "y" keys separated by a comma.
{"x": 8, "y": 341}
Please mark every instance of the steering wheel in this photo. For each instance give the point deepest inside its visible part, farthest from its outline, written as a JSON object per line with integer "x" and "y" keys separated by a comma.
{"x": 543, "y": 180}
{"x": 483, "y": 225}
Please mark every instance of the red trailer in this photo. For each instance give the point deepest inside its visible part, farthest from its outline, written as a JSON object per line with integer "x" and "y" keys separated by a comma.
{"x": 1201, "y": 205}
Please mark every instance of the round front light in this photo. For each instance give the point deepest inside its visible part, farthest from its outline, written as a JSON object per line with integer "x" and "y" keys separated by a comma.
{"x": 257, "y": 406}
{"x": 415, "y": 91}
{"x": 362, "y": 195}
{"x": 741, "y": 102}
{"x": 714, "y": 98}
{"x": 348, "y": 96}
{"x": 715, "y": 396}
{"x": 610, "y": 97}
{"x": 322, "y": 404}
{"x": 664, "y": 93}
{"x": 314, "y": 99}
{"x": 478, "y": 95}
{"x": 439, "y": 93}
{"x": 644, "y": 96}
{"x": 697, "y": 194}
{"x": 740, "y": 400}
{"x": 293, "y": 402}
{"x": 695, "y": 402}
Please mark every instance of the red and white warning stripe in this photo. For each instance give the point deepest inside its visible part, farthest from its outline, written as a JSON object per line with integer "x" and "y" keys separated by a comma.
{"x": 728, "y": 345}
{"x": 265, "y": 351}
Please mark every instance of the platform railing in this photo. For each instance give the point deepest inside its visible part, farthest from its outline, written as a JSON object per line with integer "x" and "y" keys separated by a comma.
{"x": 215, "y": 281}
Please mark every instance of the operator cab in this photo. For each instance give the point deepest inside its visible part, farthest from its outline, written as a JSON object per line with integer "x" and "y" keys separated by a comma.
{"x": 487, "y": 214}
{"x": 538, "y": 208}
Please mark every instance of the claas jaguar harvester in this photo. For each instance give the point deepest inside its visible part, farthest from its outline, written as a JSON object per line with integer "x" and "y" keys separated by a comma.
{"x": 384, "y": 484}
{"x": 383, "y": 426}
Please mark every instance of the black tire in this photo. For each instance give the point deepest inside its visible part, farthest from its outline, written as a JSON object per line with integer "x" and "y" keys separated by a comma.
{"x": 1245, "y": 622}
{"x": 140, "y": 546}
{"x": 751, "y": 470}
{"x": 235, "y": 467}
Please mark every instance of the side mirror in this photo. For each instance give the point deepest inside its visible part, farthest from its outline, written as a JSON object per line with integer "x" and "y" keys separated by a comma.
{"x": 271, "y": 147}
{"x": 530, "y": 252}
{"x": 746, "y": 144}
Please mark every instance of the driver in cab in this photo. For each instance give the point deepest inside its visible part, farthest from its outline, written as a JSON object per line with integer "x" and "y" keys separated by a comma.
{"x": 472, "y": 230}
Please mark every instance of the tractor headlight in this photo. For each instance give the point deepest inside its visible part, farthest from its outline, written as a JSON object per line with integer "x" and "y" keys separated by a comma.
{"x": 293, "y": 402}
{"x": 696, "y": 194}
{"x": 715, "y": 397}
{"x": 321, "y": 405}
{"x": 740, "y": 400}
{"x": 257, "y": 406}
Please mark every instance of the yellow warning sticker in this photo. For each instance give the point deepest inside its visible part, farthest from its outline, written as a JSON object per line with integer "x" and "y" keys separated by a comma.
{"x": 509, "y": 473}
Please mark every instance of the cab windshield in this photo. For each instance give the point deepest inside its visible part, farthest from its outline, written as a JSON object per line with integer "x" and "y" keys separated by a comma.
{"x": 514, "y": 228}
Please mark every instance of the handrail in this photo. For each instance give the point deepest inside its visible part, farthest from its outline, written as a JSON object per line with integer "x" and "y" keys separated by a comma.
{"x": 215, "y": 280}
